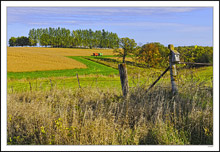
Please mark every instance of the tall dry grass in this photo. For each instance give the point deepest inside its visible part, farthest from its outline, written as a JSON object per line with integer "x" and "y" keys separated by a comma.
{"x": 103, "y": 117}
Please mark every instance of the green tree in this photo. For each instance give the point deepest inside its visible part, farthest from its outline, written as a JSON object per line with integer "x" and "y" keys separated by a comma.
{"x": 39, "y": 32}
{"x": 51, "y": 36}
{"x": 164, "y": 53}
{"x": 98, "y": 37}
{"x": 32, "y": 42}
{"x": 74, "y": 42}
{"x": 65, "y": 37}
{"x": 197, "y": 54}
{"x": 78, "y": 38}
{"x": 127, "y": 47}
{"x": 32, "y": 37}
{"x": 114, "y": 40}
{"x": 85, "y": 40}
{"x": 203, "y": 54}
{"x": 22, "y": 41}
{"x": 12, "y": 41}
{"x": 44, "y": 40}
{"x": 103, "y": 39}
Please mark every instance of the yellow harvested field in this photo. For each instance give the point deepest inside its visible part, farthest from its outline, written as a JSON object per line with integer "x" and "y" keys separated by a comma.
{"x": 27, "y": 59}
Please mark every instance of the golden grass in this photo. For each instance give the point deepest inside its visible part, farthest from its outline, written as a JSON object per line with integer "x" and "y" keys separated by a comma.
{"x": 27, "y": 59}
{"x": 88, "y": 116}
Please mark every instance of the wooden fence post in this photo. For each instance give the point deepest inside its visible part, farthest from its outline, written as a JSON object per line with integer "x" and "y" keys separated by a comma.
{"x": 36, "y": 84}
{"x": 30, "y": 86}
{"x": 174, "y": 58}
{"x": 51, "y": 85}
{"x": 12, "y": 89}
{"x": 124, "y": 78}
{"x": 78, "y": 80}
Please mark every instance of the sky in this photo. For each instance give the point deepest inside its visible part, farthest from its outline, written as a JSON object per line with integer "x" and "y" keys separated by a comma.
{"x": 181, "y": 26}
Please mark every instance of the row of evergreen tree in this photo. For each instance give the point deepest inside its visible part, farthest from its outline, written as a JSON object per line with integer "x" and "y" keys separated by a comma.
{"x": 62, "y": 37}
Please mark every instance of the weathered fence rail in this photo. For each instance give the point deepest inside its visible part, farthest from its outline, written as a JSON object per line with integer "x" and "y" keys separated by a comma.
{"x": 192, "y": 63}
{"x": 158, "y": 78}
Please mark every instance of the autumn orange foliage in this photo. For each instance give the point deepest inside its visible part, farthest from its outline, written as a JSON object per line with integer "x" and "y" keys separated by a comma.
{"x": 149, "y": 54}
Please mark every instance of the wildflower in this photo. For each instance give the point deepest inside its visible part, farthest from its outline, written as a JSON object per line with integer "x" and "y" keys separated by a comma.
{"x": 42, "y": 130}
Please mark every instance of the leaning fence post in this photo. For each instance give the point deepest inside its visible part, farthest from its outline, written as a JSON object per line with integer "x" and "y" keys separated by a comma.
{"x": 174, "y": 58}
{"x": 124, "y": 78}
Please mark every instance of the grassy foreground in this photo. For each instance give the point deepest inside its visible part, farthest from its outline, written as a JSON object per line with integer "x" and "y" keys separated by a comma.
{"x": 103, "y": 117}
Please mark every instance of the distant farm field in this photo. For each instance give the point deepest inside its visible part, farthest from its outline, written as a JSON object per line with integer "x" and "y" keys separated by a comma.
{"x": 29, "y": 59}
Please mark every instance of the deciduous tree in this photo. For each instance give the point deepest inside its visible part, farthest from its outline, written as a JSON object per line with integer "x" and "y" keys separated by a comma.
{"x": 149, "y": 54}
{"x": 127, "y": 47}
{"x": 12, "y": 41}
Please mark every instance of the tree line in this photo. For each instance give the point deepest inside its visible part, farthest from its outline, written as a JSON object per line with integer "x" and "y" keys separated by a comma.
{"x": 157, "y": 55}
{"x": 64, "y": 38}
{"x": 199, "y": 54}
